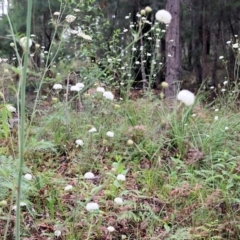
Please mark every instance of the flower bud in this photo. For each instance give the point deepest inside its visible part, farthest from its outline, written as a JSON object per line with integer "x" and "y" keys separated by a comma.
{"x": 142, "y": 12}
{"x": 130, "y": 142}
{"x": 148, "y": 9}
{"x": 164, "y": 84}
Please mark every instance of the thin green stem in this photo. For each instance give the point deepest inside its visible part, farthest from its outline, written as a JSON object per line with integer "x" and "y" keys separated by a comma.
{"x": 22, "y": 121}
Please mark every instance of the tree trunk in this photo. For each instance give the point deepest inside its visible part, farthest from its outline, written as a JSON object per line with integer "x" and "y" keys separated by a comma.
{"x": 204, "y": 42}
{"x": 173, "y": 49}
{"x": 196, "y": 45}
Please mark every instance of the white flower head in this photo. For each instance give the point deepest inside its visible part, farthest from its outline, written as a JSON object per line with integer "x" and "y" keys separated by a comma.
{"x": 73, "y": 31}
{"x": 76, "y": 10}
{"x": 56, "y": 13}
{"x": 68, "y": 188}
{"x": 163, "y": 16}
{"x": 77, "y": 88}
{"x": 23, "y": 43}
{"x": 11, "y": 108}
{"x": 108, "y": 95}
{"x": 89, "y": 175}
{"x": 216, "y": 118}
{"x": 221, "y": 57}
{"x": 186, "y": 97}
{"x": 70, "y": 18}
{"x": 28, "y": 176}
{"x": 22, "y": 204}
{"x": 85, "y": 36}
{"x": 80, "y": 85}
{"x": 92, "y": 130}
{"x": 79, "y": 142}
{"x": 118, "y": 200}
{"x": 57, "y": 86}
{"x": 226, "y": 128}
{"x": 110, "y": 134}
{"x": 91, "y": 206}
{"x": 100, "y": 89}
{"x": 57, "y": 233}
{"x": 235, "y": 45}
{"x": 121, "y": 177}
{"x": 225, "y": 82}
{"x": 111, "y": 229}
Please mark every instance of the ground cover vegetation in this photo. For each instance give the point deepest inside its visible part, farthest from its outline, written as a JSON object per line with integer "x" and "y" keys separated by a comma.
{"x": 85, "y": 154}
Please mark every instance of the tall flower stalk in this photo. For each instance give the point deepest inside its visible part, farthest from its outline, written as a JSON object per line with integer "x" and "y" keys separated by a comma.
{"x": 21, "y": 141}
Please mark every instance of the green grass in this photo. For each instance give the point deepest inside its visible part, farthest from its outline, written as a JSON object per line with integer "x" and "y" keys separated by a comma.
{"x": 182, "y": 172}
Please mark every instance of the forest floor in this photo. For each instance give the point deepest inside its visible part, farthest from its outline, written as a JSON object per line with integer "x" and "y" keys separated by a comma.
{"x": 156, "y": 171}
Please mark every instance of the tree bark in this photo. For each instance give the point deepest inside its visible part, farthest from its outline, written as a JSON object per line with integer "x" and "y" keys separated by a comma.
{"x": 173, "y": 49}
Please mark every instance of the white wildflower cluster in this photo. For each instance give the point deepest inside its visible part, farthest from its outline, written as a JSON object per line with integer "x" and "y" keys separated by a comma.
{"x": 28, "y": 176}
{"x": 11, "y": 108}
{"x": 70, "y": 18}
{"x": 24, "y": 41}
{"x": 79, "y": 142}
{"x": 89, "y": 175}
{"x": 57, "y": 86}
{"x": 92, "y": 207}
{"x": 186, "y": 97}
{"x": 163, "y": 16}
{"x": 77, "y": 88}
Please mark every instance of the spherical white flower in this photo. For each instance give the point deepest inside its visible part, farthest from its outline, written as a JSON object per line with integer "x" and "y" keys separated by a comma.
{"x": 225, "y": 82}
{"x": 68, "y": 188}
{"x": 56, "y": 13}
{"x": 80, "y": 86}
{"x": 226, "y": 128}
{"x": 23, "y": 42}
{"x": 148, "y": 9}
{"x": 79, "y": 142}
{"x": 221, "y": 57}
{"x": 75, "y": 88}
{"x": 130, "y": 142}
{"x": 92, "y": 130}
{"x": 100, "y": 89}
{"x": 111, "y": 229}
{"x": 57, "y": 86}
{"x": 212, "y": 87}
{"x": 28, "y": 176}
{"x": 228, "y": 42}
{"x": 186, "y": 97}
{"x": 118, "y": 200}
{"x": 70, "y": 18}
{"x": 89, "y": 175}
{"x": 11, "y": 108}
{"x": 110, "y": 134}
{"x": 216, "y": 118}
{"x": 108, "y": 95}
{"x": 57, "y": 233}
{"x": 163, "y": 16}
{"x": 91, "y": 206}
{"x": 235, "y": 45}
{"x": 121, "y": 177}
